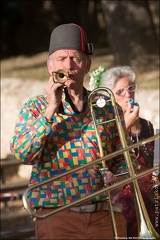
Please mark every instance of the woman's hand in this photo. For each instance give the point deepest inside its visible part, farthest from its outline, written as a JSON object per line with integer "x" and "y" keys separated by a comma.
{"x": 131, "y": 115}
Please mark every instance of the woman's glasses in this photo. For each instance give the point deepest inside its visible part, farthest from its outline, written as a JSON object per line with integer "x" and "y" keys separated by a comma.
{"x": 122, "y": 91}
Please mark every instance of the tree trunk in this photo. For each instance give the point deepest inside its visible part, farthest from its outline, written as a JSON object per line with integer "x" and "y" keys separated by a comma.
{"x": 131, "y": 34}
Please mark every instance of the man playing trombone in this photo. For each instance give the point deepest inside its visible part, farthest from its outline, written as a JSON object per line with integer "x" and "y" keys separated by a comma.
{"x": 55, "y": 133}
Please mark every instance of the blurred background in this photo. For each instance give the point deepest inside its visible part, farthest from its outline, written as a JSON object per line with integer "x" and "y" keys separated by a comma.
{"x": 123, "y": 33}
{"x": 128, "y": 29}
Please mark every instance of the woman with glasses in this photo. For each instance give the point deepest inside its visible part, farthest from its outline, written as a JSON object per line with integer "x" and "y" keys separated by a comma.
{"x": 122, "y": 81}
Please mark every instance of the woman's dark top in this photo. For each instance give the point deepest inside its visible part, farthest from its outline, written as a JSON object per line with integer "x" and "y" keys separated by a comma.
{"x": 145, "y": 155}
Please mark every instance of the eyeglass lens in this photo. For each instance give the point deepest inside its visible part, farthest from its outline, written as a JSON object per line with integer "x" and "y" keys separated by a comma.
{"x": 130, "y": 88}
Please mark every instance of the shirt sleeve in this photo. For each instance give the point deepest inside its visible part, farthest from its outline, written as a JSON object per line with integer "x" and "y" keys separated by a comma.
{"x": 30, "y": 133}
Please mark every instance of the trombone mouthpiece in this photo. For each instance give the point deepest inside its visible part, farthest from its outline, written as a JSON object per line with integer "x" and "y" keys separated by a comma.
{"x": 60, "y": 76}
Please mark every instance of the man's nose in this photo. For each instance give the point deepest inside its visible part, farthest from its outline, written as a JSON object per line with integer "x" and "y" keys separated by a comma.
{"x": 68, "y": 64}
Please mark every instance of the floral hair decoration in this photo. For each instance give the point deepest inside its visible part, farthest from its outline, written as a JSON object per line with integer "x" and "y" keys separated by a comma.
{"x": 96, "y": 77}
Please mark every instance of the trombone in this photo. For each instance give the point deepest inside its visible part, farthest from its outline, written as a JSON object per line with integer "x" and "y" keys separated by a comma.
{"x": 146, "y": 229}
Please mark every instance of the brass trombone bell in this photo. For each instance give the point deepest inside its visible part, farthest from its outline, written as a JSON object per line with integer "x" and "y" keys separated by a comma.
{"x": 60, "y": 76}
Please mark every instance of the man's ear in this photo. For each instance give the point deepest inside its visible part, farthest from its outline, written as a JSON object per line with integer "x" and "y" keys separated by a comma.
{"x": 88, "y": 64}
{"x": 49, "y": 66}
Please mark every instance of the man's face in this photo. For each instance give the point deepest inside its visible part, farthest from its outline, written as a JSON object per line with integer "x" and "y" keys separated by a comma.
{"x": 75, "y": 63}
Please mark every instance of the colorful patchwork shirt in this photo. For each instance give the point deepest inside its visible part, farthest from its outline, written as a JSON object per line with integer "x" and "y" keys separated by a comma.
{"x": 53, "y": 149}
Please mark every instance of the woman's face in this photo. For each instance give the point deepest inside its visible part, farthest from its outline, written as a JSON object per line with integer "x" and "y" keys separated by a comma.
{"x": 122, "y": 92}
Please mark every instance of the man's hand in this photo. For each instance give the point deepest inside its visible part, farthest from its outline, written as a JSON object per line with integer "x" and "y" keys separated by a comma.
{"x": 54, "y": 92}
{"x": 110, "y": 179}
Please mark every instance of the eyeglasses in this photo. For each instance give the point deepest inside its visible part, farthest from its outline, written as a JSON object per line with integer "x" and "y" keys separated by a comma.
{"x": 122, "y": 91}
